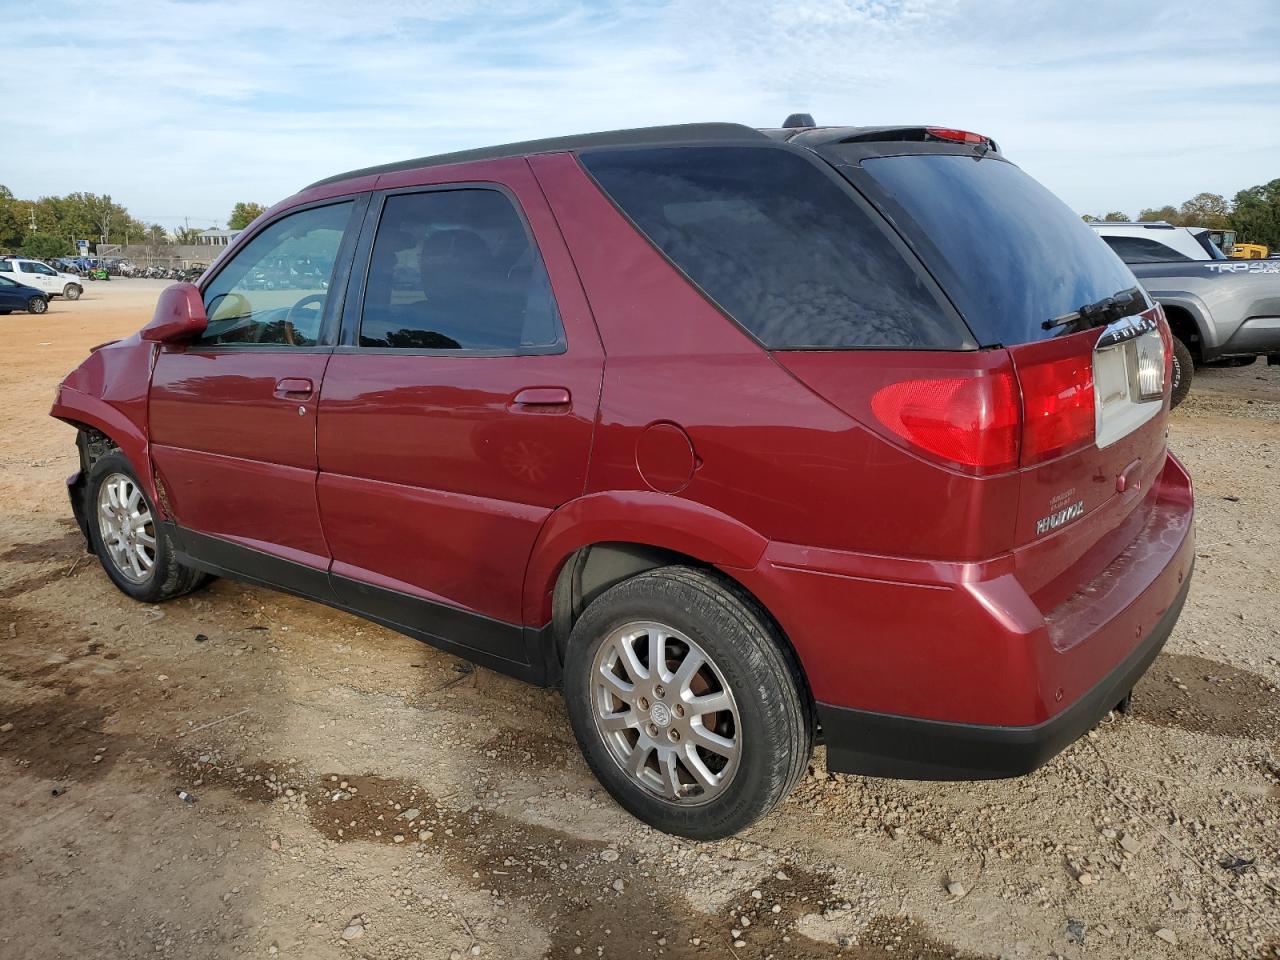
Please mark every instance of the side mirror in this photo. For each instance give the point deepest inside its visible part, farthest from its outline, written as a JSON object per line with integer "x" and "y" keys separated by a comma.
{"x": 179, "y": 315}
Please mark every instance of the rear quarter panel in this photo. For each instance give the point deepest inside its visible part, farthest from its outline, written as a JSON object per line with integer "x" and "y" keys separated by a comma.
{"x": 1224, "y": 293}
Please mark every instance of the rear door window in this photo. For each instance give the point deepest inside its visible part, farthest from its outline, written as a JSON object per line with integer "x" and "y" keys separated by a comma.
{"x": 1142, "y": 250}
{"x": 1009, "y": 253}
{"x": 779, "y": 246}
{"x": 457, "y": 270}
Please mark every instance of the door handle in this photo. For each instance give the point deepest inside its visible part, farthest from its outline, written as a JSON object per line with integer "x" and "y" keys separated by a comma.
{"x": 294, "y": 388}
{"x": 541, "y": 397}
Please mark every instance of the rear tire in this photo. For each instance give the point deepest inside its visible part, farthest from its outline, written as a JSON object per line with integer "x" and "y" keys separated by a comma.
{"x": 653, "y": 748}
{"x": 72, "y": 291}
{"x": 37, "y": 305}
{"x": 134, "y": 551}
{"x": 1183, "y": 370}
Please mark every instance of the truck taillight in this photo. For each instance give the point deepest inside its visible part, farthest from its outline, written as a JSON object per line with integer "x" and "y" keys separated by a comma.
{"x": 970, "y": 421}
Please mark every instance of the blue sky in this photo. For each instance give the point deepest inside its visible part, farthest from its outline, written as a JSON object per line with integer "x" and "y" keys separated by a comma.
{"x": 179, "y": 109}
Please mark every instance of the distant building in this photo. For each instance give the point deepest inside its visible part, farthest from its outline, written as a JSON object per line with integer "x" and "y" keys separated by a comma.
{"x": 216, "y": 238}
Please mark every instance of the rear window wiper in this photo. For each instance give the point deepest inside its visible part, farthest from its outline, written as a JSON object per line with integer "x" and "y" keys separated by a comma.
{"x": 1100, "y": 312}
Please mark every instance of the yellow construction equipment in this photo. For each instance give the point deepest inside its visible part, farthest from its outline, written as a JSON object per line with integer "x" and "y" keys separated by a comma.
{"x": 1250, "y": 251}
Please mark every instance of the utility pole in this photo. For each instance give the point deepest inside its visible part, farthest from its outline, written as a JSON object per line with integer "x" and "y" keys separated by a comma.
{"x": 33, "y": 219}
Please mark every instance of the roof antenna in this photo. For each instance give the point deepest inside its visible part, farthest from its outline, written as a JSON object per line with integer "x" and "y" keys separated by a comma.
{"x": 798, "y": 120}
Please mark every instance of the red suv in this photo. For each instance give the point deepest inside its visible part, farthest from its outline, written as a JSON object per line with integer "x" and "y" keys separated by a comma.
{"x": 745, "y": 438}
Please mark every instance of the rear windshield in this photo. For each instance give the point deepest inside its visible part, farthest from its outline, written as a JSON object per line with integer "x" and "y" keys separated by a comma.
{"x": 779, "y": 245}
{"x": 1010, "y": 253}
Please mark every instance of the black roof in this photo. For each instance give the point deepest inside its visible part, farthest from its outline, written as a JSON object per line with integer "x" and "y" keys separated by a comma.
{"x": 640, "y": 136}
{"x": 674, "y": 134}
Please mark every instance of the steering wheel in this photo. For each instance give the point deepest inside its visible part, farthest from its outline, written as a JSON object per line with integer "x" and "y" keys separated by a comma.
{"x": 289, "y": 333}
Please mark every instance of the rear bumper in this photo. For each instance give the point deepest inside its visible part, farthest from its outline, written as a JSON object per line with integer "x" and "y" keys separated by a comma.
{"x": 972, "y": 670}
{"x": 885, "y": 745}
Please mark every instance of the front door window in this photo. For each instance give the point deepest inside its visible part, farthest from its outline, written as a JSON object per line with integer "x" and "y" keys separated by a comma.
{"x": 274, "y": 290}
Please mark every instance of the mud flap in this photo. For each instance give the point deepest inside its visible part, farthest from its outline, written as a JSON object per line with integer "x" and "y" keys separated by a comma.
{"x": 1124, "y": 705}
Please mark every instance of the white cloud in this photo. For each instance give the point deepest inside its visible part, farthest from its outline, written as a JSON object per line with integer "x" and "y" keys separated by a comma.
{"x": 180, "y": 108}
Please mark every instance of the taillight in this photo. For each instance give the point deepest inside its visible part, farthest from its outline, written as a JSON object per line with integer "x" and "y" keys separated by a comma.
{"x": 1058, "y": 407}
{"x": 994, "y": 422}
{"x": 956, "y": 136}
{"x": 971, "y": 421}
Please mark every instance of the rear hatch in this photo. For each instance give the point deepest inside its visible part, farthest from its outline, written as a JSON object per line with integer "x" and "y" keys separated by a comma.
{"x": 1086, "y": 344}
{"x": 949, "y": 304}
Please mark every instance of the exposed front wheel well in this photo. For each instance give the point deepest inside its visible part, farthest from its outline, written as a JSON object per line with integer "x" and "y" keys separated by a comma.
{"x": 93, "y": 445}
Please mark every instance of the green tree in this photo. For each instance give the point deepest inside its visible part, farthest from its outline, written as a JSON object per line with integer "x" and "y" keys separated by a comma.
{"x": 1255, "y": 215}
{"x": 243, "y": 214}
{"x": 1205, "y": 210}
{"x": 14, "y": 220}
{"x": 45, "y": 246}
{"x": 187, "y": 235}
{"x": 1167, "y": 213}
{"x": 1089, "y": 218}
{"x": 1116, "y": 216}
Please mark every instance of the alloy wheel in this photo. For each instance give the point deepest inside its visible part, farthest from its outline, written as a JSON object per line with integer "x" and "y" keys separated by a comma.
{"x": 665, "y": 713}
{"x": 126, "y": 527}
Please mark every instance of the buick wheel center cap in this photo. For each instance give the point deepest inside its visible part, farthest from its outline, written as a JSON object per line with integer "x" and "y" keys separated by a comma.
{"x": 660, "y": 714}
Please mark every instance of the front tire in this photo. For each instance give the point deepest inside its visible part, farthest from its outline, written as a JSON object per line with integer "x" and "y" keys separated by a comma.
{"x": 718, "y": 733}
{"x": 72, "y": 291}
{"x": 1183, "y": 370}
{"x": 37, "y": 305}
{"x": 133, "y": 549}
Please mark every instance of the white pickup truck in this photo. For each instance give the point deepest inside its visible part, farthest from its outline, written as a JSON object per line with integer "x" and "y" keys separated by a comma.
{"x": 43, "y": 277}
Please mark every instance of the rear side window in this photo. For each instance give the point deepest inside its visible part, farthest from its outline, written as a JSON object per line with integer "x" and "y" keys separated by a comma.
{"x": 1142, "y": 250}
{"x": 778, "y": 245}
{"x": 456, "y": 270}
{"x": 1009, "y": 253}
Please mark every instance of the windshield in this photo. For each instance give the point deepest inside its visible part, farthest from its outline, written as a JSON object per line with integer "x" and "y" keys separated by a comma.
{"x": 1010, "y": 254}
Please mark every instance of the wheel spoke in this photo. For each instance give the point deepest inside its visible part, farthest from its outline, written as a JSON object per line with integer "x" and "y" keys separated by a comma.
{"x": 143, "y": 556}
{"x": 670, "y": 766}
{"x": 658, "y": 654}
{"x": 688, "y": 668}
{"x": 701, "y": 772}
{"x": 620, "y": 721}
{"x": 709, "y": 703}
{"x": 146, "y": 539}
{"x": 712, "y": 741}
{"x": 627, "y": 652}
{"x": 639, "y": 757}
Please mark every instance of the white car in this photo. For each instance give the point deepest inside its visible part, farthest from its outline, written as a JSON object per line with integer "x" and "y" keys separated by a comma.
{"x": 1157, "y": 242}
{"x": 33, "y": 273}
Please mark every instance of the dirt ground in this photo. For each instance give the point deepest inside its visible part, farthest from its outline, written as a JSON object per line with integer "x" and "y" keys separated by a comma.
{"x": 360, "y": 795}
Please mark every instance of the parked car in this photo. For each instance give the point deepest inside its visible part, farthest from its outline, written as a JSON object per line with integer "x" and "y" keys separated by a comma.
{"x": 18, "y": 296}
{"x": 1221, "y": 310}
{"x": 33, "y": 273}
{"x": 877, "y": 457}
